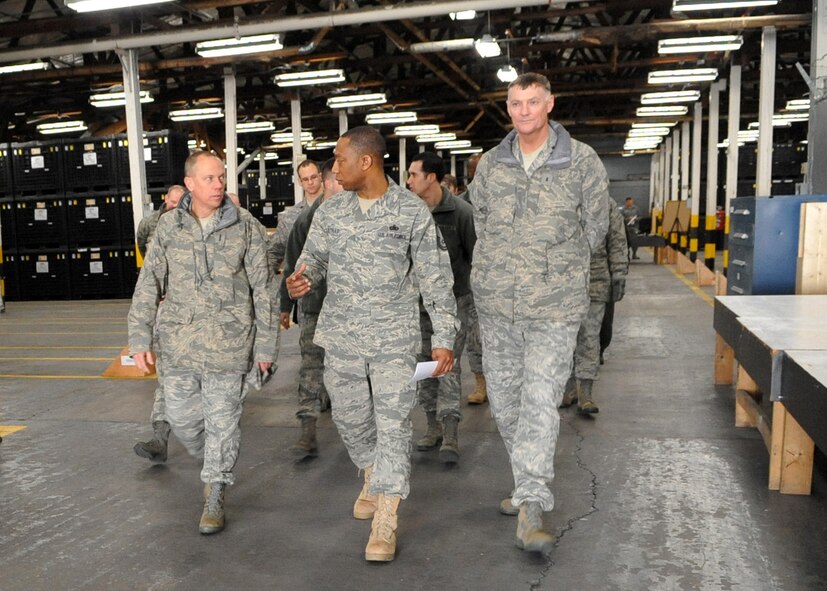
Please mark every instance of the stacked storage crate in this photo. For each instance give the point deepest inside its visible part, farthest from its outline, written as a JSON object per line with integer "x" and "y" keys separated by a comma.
{"x": 67, "y": 225}
{"x": 278, "y": 194}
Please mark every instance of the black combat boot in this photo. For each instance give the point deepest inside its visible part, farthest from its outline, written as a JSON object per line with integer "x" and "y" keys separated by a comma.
{"x": 155, "y": 450}
{"x": 585, "y": 404}
{"x": 433, "y": 436}
{"x": 306, "y": 446}
{"x": 449, "y": 452}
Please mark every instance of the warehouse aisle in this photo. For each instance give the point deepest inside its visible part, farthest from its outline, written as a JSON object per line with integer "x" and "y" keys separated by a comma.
{"x": 659, "y": 492}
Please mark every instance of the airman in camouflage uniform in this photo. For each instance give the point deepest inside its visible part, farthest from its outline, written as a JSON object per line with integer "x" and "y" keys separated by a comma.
{"x": 377, "y": 245}
{"x": 540, "y": 205}
{"x": 313, "y": 397}
{"x": 607, "y": 281}
{"x": 454, "y": 219}
{"x": 155, "y": 450}
{"x": 209, "y": 261}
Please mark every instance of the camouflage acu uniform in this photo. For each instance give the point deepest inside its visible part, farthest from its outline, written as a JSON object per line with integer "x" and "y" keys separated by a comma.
{"x": 146, "y": 229}
{"x": 473, "y": 344}
{"x": 530, "y": 280}
{"x": 376, "y": 264}
{"x": 219, "y": 318}
{"x": 609, "y": 260}
{"x": 311, "y": 371}
{"x": 277, "y": 244}
{"x": 455, "y": 220}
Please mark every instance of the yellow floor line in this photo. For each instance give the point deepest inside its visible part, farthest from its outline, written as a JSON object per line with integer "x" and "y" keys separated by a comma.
{"x": 55, "y": 359}
{"x": 23, "y": 376}
{"x": 6, "y": 430}
{"x": 698, "y": 291}
{"x": 39, "y": 347}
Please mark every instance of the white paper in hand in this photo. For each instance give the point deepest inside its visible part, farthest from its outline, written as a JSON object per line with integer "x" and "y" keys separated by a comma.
{"x": 424, "y": 369}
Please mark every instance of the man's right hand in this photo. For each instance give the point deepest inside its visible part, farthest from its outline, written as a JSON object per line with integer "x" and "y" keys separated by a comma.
{"x": 284, "y": 320}
{"x": 143, "y": 359}
{"x": 298, "y": 285}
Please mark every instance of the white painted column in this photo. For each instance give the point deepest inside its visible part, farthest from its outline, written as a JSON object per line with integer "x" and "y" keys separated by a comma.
{"x": 815, "y": 181}
{"x": 403, "y": 164}
{"x": 685, "y": 159}
{"x": 733, "y": 124}
{"x": 230, "y": 137}
{"x": 134, "y": 134}
{"x": 342, "y": 121}
{"x": 766, "y": 105}
{"x": 674, "y": 190}
{"x": 296, "y": 127}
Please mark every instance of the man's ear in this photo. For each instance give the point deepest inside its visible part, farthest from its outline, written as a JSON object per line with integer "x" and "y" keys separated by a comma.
{"x": 367, "y": 161}
{"x": 188, "y": 182}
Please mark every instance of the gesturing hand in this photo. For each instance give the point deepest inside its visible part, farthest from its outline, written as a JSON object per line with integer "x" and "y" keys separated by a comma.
{"x": 298, "y": 285}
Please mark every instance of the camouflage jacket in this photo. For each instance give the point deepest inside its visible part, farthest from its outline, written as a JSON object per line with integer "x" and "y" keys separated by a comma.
{"x": 146, "y": 228}
{"x": 277, "y": 244}
{"x": 536, "y": 229}
{"x": 219, "y": 311}
{"x": 376, "y": 264}
{"x": 312, "y": 302}
{"x": 610, "y": 259}
{"x": 455, "y": 220}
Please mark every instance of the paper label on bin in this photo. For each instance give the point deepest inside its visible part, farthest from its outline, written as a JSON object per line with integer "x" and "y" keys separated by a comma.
{"x": 41, "y": 267}
{"x": 90, "y": 158}
{"x": 267, "y": 210}
{"x": 96, "y": 267}
{"x": 92, "y": 213}
{"x": 41, "y": 215}
{"x": 127, "y": 360}
{"x": 38, "y": 162}
{"x": 148, "y": 154}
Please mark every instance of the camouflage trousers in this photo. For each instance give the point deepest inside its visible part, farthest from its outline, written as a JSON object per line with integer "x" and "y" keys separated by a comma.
{"x": 587, "y": 353}
{"x": 527, "y": 365}
{"x": 311, "y": 371}
{"x": 371, "y": 401}
{"x": 441, "y": 395}
{"x": 473, "y": 344}
{"x": 204, "y": 409}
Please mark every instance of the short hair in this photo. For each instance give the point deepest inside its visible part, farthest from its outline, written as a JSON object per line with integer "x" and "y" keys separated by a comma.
{"x": 193, "y": 159}
{"x": 431, "y": 163}
{"x": 451, "y": 180}
{"x": 530, "y": 79}
{"x": 327, "y": 168}
{"x": 366, "y": 140}
{"x": 307, "y": 163}
{"x": 176, "y": 188}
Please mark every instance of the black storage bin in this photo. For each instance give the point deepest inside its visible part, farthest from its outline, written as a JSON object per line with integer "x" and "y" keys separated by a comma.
{"x": 96, "y": 272}
{"x": 44, "y": 274}
{"x": 90, "y": 165}
{"x": 93, "y": 220}
{"x": 266, "y": 211}
{"x": 8, "y": 226}
{"x": 278, "y": 184}
{"x": 130, "y": 271}
{"x": 164, "y": 155}
{"x": 10, "y": 275}
{"x": 37, "y": 168}
{"x": 127, "y": 220}
{"x": 41, "y": 223}
{"x": 6, "y": 188}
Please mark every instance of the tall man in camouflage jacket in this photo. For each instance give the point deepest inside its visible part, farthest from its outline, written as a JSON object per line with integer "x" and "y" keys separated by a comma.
{"x": 155, "y": 450}
{"x": 540, "y": 206}
{"x": 377, "y": 245}
{"x": 607, "y": 282}
{"x": 209, "y": 260}
{"x": 312, "y": 392}
{"x": 455, "y": 220}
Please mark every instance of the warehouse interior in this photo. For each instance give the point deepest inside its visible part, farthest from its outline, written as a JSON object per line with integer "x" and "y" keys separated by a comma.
{"x": 661, "y": 490}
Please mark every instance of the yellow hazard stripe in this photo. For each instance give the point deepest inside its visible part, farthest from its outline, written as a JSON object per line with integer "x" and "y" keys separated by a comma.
{"x": 9, "y": 429}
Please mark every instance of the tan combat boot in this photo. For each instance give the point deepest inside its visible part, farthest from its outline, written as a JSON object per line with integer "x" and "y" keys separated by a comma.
{"x": 570, "y": 395}
{"x": 365, "y": 505}
{"x": 306, "y": 446}
{"x": 382, "y": 542}
{"x": 585, "y": 404}
{"x": 449, "y": 452}
{"x": 480, "y": 394}
{"x": 530, "y": 533}
{"x": 433, "y": 436}
{"x": 212, "y": 519}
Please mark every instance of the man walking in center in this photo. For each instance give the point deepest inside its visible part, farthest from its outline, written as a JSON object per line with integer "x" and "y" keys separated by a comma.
{"x": 540, "y": 203}
{"x": 376, "y": 244}
{"x": 454, "y": 219}
{"x": 209, "y": 261}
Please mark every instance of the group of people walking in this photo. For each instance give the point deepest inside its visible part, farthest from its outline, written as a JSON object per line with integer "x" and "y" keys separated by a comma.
{"x": 385, "y": 277}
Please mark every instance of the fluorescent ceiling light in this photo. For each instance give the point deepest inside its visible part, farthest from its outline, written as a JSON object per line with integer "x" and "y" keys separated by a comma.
{"x": 12, "y": 68}
{"x": 677, "y": 76}
{"x": 658, "y": 124}
{"x": 62, "y": 126}
{"x": 507, "y": 73}
{"x": 117, "y": 99}
{"x": 436, "y": 137}
{"x": 196, "y": 114}
{"x": 798, "y": 105}
{"x": 487, "y": 46}
{"x": 690, "y": 5}
{"x": 700, "y": 44}
{"x": 444, "y": 45}
{"x": 310, "y": 78}
{"x": 286, "y": 137}
{"x": 674, "y": 110}
{"x": 238, "y": 45}
{"x": 474, "y": 150}
{"x": 412, "y": 130}
{"x": 675, "y": 96}
{"x": 650, "y": 132}
{"x": 395, "y": 117}
{"x": 320, "y": 145}
{"x": 253, "y": 126}
{"x": 463, "y": 15}
{"x": 357, "y": 100}
{"x": 269, "y": 156}
{"x": 452, "y": 145}
{"x": 94, "y": 5}
{"x": 285, "y": 163}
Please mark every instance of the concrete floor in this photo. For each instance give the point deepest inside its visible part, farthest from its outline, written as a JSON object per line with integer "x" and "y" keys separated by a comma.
{"x": 659, "y": 492}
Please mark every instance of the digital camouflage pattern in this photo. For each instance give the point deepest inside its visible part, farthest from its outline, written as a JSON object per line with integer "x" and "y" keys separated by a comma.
{"x": 311, "y": 371}
{"x": 277, "y": 244}
{"x": 473, "y": 344}
{"x": 146, "y": 228}
{"x": 587, "y": 351}
{"x": 312, "y": 302}
{"x": 377, "y": 263}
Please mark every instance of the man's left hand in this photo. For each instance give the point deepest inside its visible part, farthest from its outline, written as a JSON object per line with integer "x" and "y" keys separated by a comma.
{"x": 444, "y": 359}
{"x": 618, "y": 288}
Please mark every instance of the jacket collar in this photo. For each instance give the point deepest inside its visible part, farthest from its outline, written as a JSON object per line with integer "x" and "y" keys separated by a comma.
{"x": 559, "y": 158}
{"x": 227, "y": 212}
{"x": 446, "y": 203}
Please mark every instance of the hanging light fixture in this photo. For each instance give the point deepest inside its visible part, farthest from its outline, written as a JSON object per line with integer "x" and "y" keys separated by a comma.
{"x": 463, "y": 15}
{"x": 196, "y": 114}
{"x": 254, "y": 126}
{"x": 413, "y": 130}
{"x": 392, "y": 117}
{"x": 436, "y": 137}
{"x": 310, "y": 78}
{"x": 691, "y": 5}
{"x": 95, "y": 5}
{"x": 680, "y": 76}
{"x": 675, "y": 96}
{"x": 13, "y": 68}
{"x": 67, "y": 126}
{"x": 238, "y": 45}
{"x": 700, "y": 44}
{"x": 357, "y": 100}
{"x": 286, "y": 137}
{"x": 456, "y": 144}
{"x": 117, "y": 99}
{"x": 487, "y": 46}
